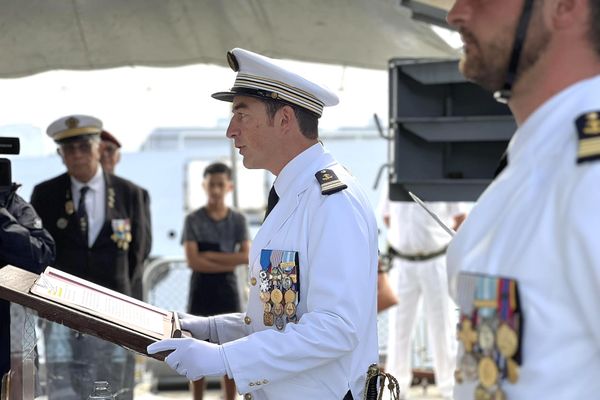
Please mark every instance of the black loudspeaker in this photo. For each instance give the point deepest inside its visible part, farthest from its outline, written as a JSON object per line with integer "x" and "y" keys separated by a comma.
{"x": 448, "y": 134}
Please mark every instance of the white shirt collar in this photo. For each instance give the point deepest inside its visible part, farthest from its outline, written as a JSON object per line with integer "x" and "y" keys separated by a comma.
{"x": 292, "y": 173}
{"x": 552, "y": 125}
{"x": 95, "y": 184}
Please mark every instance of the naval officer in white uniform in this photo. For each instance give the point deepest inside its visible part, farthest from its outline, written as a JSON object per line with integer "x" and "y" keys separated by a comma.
{"x": 417, "y": 245}
{"x": 310, "y": 330}
{"x": 526, "y": 263}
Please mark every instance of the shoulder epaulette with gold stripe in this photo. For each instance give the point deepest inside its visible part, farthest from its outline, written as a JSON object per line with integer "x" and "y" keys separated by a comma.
{"x": 329, "y": 181}
{"x": 588, "y": 131}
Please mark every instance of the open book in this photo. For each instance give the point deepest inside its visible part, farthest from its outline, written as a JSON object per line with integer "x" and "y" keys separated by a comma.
{"x": 74, "y": 292}
{"x": 90, "y": 308}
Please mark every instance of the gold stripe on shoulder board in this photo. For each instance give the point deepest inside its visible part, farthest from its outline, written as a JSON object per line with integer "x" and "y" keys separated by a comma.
{"x": 329, "y": 182}
{"x": 588, "y": 135}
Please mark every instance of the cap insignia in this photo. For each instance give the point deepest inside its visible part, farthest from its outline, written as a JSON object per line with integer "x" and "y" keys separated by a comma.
{"x": 232, "y": 61}
{"x": 329, "y": 181}
{"x": 588, "y": 133}
{"x": 72, "y": 122}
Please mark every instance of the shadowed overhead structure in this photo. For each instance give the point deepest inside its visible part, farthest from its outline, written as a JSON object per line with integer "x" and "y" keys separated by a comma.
{"x": 42, "y": 35}
{"x": 429, "y": 11}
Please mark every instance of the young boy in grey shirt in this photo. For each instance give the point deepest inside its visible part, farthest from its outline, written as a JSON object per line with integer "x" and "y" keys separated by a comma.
{"x": 216, "y": 241}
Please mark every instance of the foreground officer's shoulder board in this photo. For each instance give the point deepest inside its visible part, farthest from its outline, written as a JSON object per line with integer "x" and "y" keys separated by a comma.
{"x": 588, "y": 133}
{"x": 329, "y": 181}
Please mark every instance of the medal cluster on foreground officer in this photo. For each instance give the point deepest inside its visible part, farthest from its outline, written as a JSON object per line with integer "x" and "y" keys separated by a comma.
{"x": 525, "y": 265}
{"x": 310, "y": 329}
{"x": 97, "y": 220}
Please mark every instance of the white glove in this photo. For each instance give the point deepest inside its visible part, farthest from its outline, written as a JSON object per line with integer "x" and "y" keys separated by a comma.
{"x": 199, "y": 327}
{"x": 193, "y": 358}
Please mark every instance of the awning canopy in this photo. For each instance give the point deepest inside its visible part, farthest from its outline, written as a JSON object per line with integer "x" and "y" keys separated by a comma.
{"x": 42, "y": 35}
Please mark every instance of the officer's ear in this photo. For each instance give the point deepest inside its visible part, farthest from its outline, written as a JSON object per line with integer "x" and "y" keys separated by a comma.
{"x": 286, "y": 117}
{"x": 568, "y": 13}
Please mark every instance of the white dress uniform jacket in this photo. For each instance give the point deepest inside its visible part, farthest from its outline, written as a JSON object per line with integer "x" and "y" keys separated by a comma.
{"x": 539, "y": 223}
{"x": 328, "y": 351}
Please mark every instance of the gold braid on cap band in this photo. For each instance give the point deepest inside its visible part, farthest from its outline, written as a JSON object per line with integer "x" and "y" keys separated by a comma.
{"x": 69, "y": 133}
{"x": 282, "y": 90}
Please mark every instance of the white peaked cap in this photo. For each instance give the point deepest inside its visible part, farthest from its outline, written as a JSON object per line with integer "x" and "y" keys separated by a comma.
{"x": 74, "y": 127}
{"x": 260, "y": 76}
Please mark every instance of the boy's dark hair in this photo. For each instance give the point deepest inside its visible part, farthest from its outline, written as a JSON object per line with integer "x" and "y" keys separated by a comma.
{"x": 217, "y": 168}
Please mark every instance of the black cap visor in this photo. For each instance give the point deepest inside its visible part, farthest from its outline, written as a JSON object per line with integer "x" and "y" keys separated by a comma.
{"x": 78, "y": 138}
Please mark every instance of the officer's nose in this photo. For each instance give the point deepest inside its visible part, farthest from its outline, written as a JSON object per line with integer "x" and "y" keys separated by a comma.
{"x": 459, "y": 13}
{"x": 232, "y": 130}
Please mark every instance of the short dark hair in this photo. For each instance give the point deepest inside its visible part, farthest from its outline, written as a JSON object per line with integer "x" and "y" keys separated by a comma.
{"x": 307, "y": 121}
{"x": 217, "y": 168}
{"x": 593, "y": 26}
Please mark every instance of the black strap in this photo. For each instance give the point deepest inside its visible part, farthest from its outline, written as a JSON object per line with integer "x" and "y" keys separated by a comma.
{"x": 272, "y": 202}
{"x": 503, "y": 95}
{"x": 82, "y": 215}
{"x": 416, "y": 257}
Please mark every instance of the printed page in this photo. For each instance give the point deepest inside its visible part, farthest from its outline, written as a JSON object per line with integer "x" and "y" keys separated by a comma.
{"x": 74, "y": 292}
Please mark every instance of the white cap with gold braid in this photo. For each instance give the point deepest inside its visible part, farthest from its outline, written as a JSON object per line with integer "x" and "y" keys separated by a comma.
{"x": 260, "y": 76}
{"x": 73, "y": 127}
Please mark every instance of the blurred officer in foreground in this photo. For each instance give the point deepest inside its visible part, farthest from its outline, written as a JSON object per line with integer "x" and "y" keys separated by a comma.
{"x": 98, "y": 223}
{"x": 24, "y": 243}
{"x": 310, "y": 330}
{"x": 526, "y": 263}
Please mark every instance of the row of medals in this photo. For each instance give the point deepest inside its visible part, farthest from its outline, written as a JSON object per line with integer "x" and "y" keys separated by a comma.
{"x": 278, "y": 297}
{"x": 488, "y": 357}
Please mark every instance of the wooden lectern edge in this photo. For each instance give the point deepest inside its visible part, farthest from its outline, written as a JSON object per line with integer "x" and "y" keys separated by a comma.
{"x": 14, "y": 287}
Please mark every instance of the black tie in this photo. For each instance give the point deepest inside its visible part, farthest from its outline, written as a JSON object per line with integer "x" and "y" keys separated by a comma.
{"x": 82, "y": 212}
{"x": 272, "y": 202}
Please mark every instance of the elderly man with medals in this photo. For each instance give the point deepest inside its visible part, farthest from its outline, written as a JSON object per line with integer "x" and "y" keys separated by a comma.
{"x": 98, "y": 223}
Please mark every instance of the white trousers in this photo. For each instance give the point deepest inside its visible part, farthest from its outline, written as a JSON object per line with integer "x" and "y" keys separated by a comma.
{"x": 413, "y": 281}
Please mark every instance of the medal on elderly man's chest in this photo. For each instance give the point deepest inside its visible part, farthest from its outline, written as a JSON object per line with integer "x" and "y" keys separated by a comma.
{"x": 69, "y": 205}
{"x": 121, "y": 233}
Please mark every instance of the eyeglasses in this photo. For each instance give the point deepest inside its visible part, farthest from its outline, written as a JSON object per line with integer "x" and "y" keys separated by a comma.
{"x": 68, "y": 149}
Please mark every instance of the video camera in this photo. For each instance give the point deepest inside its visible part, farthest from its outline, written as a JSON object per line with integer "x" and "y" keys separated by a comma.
{"x": 8, "y": 145}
